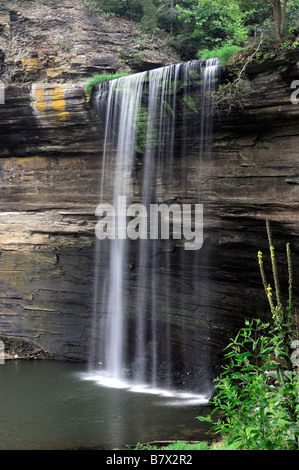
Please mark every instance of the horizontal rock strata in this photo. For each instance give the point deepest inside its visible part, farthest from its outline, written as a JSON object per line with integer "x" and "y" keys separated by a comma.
{"x": 50, "y": 167}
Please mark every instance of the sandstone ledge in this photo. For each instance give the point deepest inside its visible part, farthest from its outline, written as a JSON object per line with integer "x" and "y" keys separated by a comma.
{"x": 18, "y": 348}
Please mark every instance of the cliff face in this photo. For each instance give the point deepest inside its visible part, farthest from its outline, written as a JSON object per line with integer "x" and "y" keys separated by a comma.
{"x": 50, "y": 168}
{"x": 67, "y": 40}
{"x": 48, "y": 50}
{"x": 50, "y": 151}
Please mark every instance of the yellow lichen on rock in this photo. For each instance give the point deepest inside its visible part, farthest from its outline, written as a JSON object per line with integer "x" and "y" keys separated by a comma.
{"x": 39, "y": 99}
{"x": 28, "y": 163}
{"x": 59, "y": 104}
{"x": 55, "y": 72}
{"x": 50, "y": 102}
{"x": 31, "y": 67}
{"x": 30, "y": 64}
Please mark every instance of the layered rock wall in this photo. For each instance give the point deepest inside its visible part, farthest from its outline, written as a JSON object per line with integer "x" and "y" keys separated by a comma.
{"x": 50, "y": 159}
{"x": 50, "y": 167}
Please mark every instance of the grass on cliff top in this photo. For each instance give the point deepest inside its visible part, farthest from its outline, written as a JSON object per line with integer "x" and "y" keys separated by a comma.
{"x": 223, "y": 53}
{"x": 179, "y": 445}
{"x": 104, "y": 77}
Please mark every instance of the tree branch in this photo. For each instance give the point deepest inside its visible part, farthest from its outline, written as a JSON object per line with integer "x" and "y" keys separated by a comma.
{"x": 249, "y": 60}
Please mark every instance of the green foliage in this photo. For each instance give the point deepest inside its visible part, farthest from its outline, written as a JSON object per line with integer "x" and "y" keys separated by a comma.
{"x": 149, "y": 18}
{"x": 260, "y": 14}
{"x": 186, "y": 446}
{"x": 97, "y": 79}
{"x": 223, "y": 53}
{"x": 175, "y": 446}
{"x": 292, "y": 16}
{"x": 190, "y": 102}
{"x": 258, "y": 388}
{"x": 141, "y": 133}
{"x": 268, "y": 50}
{"x": 208, "y": 24}
{"x": 255, "y": 11}
{"x": 256, "y": 410}
{"x": 198, "y": 25}
{"x": 231, "y": 97}
{"x": 134, "y": 10}
{"x": 167, "y": 16}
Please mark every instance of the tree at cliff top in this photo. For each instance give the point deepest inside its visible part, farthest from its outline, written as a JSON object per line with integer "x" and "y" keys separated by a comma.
{"x": 152, "y": 14}
{"x": 196, "y": 25}
{"x": 279, "y": 11}
{"x": 208, "y": 24}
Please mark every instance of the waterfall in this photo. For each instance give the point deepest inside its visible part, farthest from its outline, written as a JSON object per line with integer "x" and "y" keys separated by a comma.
{"x": 144, "y": 117}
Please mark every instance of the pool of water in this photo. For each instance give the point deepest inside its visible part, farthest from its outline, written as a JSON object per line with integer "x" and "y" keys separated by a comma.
{"x": 57, "y": 405}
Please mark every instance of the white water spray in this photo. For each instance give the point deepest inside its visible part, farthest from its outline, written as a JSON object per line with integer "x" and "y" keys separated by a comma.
{"x": 141, "y": 117}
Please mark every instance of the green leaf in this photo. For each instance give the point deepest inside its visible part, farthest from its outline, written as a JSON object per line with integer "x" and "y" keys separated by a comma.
{"x": 204, "y": 418}
{"x": 245, "y": 354}
{"x": 280, "y": 376}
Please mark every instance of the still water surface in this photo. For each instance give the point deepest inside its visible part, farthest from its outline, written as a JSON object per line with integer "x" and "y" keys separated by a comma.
{"x": 57, "y": 405}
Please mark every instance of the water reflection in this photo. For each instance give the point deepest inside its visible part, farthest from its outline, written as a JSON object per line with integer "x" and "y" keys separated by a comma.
{"x": 47, "y": 405}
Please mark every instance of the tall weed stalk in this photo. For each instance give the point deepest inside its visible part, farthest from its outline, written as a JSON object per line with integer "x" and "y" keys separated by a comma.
{"x": 257, "y": 392}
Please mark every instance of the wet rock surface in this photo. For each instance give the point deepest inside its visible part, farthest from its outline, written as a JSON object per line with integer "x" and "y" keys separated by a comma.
{"x": 16, "y": 349}
{"x": 50, "y": 168}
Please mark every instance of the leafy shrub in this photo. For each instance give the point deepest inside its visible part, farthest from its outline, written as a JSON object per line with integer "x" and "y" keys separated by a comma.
{"x": 184, "y": 446}
{"x": 258, "y": 389}
{"x": 210, "y": 24}
{"x": 97, "y": 79}
{"x": 231, "y": 97}
{"x": 223, "y": 53}
{"x": 256, "y": 408}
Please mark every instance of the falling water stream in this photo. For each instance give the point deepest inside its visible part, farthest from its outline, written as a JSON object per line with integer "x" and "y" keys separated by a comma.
{"x": 140, "y": 287}
{"x": 141, "y": 117}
